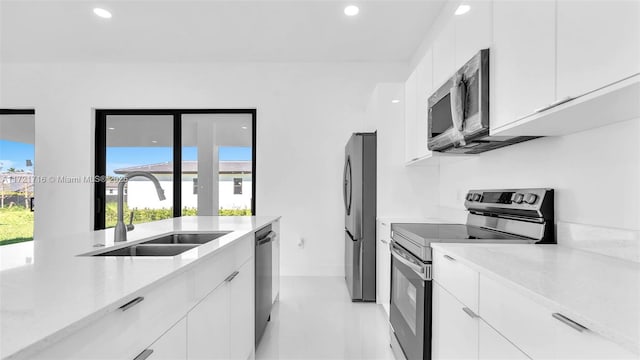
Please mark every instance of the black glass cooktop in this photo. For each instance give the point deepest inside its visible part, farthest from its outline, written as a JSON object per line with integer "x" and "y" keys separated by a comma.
{"x": 424, "y": 234}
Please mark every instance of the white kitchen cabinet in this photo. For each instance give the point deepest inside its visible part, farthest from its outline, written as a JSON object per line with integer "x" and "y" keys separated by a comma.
{"x": 275, "y": 262}
{"x": 493, "y": 346}
{"x": 473, "y": 31}
{"x": 410, "y": 106}
{"x": 241, "y": 313}
{"x": 598, "y": 44}
{"x": 172, "y": 345}
{"x": 208, "y": 326}
{"x": 424, "y": 87}
{"x": 455, "y": 331}
{"x": 221, "y": 325}
{"x": 444, "y": 55}
{"x": 522, "y": 59}
{"x": 457, "y": 278}
{"x": 383, "y": 265}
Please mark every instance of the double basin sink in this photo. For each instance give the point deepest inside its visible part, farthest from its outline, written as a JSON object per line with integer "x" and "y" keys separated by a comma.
{"x": 165, "y": 245}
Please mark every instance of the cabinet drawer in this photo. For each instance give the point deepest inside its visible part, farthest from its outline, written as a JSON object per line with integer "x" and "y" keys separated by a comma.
{"x": 493, "y": 346}
{"x": 384, "y": 230}
{"x": 533, "y": 328}
{"x": 457, "y": 278}
{"x": 123, "y": 334}
{"x": 214, "y": 270}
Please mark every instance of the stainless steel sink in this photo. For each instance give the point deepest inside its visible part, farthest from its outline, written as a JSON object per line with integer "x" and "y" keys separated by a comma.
{"x": 149, "y": 250}
{"x": 193, "y": 238}
{"x": 166, "y": 245}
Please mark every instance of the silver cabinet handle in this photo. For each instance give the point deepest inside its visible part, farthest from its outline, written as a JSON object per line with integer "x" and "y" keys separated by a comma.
{"x": 384, "y": 241}
{"x": 470, "y": 313}
{"x": 449, "y": 258}
{"x": 383, "y": 223}
{"x": 131, "y": 303}
{"x": 232, "y": 276}
{"x": 553, "y": 104}
{"x": 144, "y": 354}
{"x": 565, "y": 320}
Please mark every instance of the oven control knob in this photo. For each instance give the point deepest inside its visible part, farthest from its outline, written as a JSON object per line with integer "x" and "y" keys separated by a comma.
{"x": 517, "y": 198}
{"x": 530, "y": 198}
{"x": 477, "y": 197}
{"x": 469, "y": 197}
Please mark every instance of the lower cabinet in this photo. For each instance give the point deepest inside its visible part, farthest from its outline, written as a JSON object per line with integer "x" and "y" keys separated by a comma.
{"x": 383, "y": 265}
{"x": 221, "y": 325}
{"x": 455, "y": 331}
{"x": 493, "y": 346}
{"x": 172, "y": 345}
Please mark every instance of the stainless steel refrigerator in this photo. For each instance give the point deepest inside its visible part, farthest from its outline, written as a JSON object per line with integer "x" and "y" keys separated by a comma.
{"x": 359, "y": 194}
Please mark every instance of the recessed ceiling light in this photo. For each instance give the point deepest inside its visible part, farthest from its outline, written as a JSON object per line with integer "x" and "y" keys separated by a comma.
{"x": 154, "y": 141}
{"x": 462, "y": 9}
{"x": 112, "y": 128}
{"x": 244, "y": 128}
{"x": 351, "y": 10}
{"x": 395, "y": 101}
{"x": 105, "y": 14}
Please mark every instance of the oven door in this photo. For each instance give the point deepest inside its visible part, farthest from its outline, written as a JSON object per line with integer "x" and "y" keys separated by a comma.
{"x": 410, "y": 314}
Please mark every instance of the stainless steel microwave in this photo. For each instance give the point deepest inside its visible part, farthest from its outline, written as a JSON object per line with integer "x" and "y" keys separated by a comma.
{"x": 458, "y": 120}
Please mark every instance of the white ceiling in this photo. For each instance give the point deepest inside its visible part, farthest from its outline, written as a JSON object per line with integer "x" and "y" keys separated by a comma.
{"x": 20, "y": 128}
{"x": 143, "y": 130}
{"x": 213, "y": 30}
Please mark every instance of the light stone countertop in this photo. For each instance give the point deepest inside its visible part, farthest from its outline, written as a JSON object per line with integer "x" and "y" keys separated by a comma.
{"x": 598, "y": 291}
{"x": 50, "y": 291}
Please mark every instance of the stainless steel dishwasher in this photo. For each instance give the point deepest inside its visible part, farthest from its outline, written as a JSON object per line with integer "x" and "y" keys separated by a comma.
{"x": 263, "y": 273}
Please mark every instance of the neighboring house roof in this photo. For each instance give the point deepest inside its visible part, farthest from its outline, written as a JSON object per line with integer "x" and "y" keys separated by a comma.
{"x": 16, "y": 181}
{"x": 189, "y": 167}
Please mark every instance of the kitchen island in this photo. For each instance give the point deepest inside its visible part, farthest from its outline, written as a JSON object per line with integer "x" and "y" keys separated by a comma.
{"x": 60, "y": 303}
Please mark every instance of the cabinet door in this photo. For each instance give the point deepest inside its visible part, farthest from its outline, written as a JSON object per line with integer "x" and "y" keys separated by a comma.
{"x": 383, "y": 266}
{"x": 208, "y": 326}
{"x": 473, "y": 31}
{"x": 598, "y": 43}
{"x": 493, "y": 346}
{"x": 424, "y": 87}
{"x": 444, "y": 55}
{"x": 241, "y": 312}
{"x": 410, "y": 96}
{"x": 522, "y": 59}
{"x": 172, "y": 345}
{"x": 455, "y": 332}
{"x": 275, "y": 262}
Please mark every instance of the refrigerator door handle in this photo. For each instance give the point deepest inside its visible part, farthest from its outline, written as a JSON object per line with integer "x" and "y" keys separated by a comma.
{"x": 346, "y": 195}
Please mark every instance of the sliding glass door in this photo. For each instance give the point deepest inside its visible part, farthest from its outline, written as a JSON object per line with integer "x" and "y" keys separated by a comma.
{"x": 17, "y": 152}
{"x": 213, "y": 151}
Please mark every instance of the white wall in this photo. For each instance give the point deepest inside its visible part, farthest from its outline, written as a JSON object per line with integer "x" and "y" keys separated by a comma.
{"x": 306, "y": 113}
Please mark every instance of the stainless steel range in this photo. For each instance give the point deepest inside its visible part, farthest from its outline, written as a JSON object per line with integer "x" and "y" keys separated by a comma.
{"x": 519, "y": 216}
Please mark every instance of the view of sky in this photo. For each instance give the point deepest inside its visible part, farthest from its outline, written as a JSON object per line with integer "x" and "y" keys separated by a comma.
{"x": 14, "y": 155}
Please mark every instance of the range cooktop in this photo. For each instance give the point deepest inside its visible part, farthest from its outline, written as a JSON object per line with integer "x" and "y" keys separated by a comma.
{"x": 416, "y": 238}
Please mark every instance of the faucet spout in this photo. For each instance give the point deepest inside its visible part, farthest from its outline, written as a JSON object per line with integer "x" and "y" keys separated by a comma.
{"x": 120, "y": 232}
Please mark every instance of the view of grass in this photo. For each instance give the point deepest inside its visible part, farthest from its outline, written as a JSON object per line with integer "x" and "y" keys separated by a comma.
{"x": 16, "y": 222}
{"x": 16, "y": 225}
{"x": 146, "y": 214}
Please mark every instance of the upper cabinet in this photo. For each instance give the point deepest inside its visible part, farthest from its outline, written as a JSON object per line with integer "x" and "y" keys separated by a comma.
{"x": 410, "y": 101}
{"x": 522, "y": 59}
{"x": 472, "y": 32}
{"x": 580, "y": 74}
{"x": 417, "y": 90}
{"x": 598, "y": 44}
{"x": 444, "y": 55}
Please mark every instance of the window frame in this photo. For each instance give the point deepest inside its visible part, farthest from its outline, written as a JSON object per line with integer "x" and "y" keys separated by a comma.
{"x": 100, "y": 160}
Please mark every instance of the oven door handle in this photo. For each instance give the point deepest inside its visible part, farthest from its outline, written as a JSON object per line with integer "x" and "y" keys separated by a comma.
{"x": 417, "y": 269}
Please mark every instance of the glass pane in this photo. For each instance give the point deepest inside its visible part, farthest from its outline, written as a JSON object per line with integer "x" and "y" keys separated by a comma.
{"x": 139, "y": 143}
{"x": 217, "y": 164}
{"x": 17, "y": 152}
{"x": 405, "y": 298}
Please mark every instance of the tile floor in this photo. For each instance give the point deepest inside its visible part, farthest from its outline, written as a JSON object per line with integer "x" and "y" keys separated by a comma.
{"x": 315, "y": 319}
